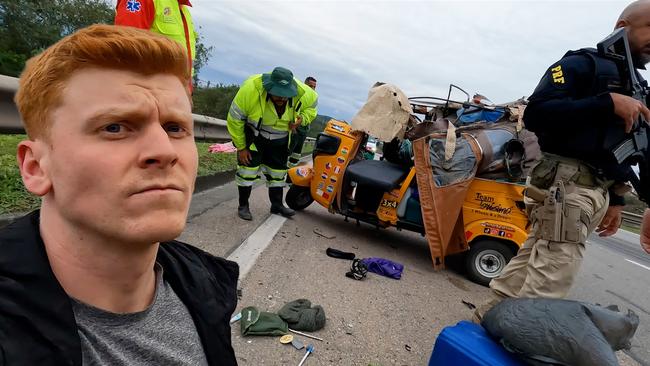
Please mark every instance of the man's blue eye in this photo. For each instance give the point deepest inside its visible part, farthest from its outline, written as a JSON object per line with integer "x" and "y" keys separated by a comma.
{"x": 114, "y": 128}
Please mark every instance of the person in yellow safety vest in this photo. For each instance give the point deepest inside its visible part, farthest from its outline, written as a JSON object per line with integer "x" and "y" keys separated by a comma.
{"x": 170, "y": 18}
{"x": 266, "y": 109}
{"x": 298, "y": 138}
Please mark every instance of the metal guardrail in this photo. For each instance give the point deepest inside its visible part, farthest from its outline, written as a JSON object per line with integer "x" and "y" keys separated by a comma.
{"x": 205, "y": 128}
{"x": 632, "y": 219}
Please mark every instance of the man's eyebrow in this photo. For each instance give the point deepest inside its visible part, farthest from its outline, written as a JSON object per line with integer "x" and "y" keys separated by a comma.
{"x": 117, "y": 114}
{"x": 176, "y": 115}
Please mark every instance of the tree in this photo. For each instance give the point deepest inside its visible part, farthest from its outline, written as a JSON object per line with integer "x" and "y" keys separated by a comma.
{"x": 29, "y": 26}
{"x": 203, "y": 54}
{"x": 214, "y": 101}
{"x": 318, "y": 125}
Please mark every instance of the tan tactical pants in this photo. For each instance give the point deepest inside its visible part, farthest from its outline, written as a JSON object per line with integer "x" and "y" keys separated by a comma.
{"x": 545, "y": 268}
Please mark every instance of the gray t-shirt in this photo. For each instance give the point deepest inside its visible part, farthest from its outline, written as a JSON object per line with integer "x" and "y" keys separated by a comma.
{"x": 163, "y": 334}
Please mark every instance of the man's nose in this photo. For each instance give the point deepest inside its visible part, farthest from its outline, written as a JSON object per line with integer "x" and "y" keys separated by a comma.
{"x": 157, "y": 148}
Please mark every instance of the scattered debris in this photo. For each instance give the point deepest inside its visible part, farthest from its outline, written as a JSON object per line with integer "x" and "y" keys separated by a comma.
{"x": 306, "y": 335}
{"x": 407, "y": 347}
{"x": 286, "y": 339}
{"x": 235, "y": 318}
{"x": 318, "y": 232}
{"x": 469, "y": 305}
{"x": 310, "y": 349}
{"x": 297, "y": 344}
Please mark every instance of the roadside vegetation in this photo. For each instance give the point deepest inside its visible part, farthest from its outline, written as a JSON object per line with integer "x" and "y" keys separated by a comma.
{"x": 14, "y": 197}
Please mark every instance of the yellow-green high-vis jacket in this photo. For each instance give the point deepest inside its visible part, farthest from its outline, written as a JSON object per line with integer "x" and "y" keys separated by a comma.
{"x": 252, "y": 106}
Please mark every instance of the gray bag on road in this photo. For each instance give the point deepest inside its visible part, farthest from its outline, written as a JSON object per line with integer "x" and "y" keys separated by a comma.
{"x": 546, "y": 332}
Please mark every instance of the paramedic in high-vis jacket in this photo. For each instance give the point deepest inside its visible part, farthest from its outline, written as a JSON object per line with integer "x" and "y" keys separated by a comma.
{"x": 265, "y": 111}
{"x": 171, "y": 18}
{"x": 577, "y": 99}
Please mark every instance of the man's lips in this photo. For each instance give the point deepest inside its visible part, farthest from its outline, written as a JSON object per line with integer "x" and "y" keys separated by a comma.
{"x": 159, "y": 187}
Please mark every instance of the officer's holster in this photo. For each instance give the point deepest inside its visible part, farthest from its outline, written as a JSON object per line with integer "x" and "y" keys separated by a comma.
{"x": 549, "y": 183}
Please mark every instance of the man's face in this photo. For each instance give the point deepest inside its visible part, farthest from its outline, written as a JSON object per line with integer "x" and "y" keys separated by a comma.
{"x": 311, "y": 84}
{"x": 278, "y": 101}
{"x": 638, "y": 33}
{"x": 121, "y": 158}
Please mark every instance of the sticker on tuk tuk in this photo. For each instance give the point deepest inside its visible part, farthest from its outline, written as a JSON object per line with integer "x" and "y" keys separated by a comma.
{"x": 302, "y": 172}
{"x": 338, "y": 128}
{"x": 333, "y": 179}
{"x": 337, "y": 169}
{"x": 330, "y": 189}
{"x": 321, "y": 185}
{"x": 319, "y": 192}
{"x": 340, "y": 159}
{"x": 326, "y": 195}
{"x": 388, "y": 203}
{"x": 344, "y": 151}
{"x": 328, "y": 166}
{"x": 496, "y": 226}
{"x": 324, "y": 175}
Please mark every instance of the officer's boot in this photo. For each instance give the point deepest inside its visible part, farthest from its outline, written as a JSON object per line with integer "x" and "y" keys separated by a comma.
{"x": 243, "y": 211}
{"x": 277, "y": 207}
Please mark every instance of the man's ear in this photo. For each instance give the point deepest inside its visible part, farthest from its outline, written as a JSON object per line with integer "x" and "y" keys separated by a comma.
{"x": 33, "y": 167}
{"x": 621, "y": 23}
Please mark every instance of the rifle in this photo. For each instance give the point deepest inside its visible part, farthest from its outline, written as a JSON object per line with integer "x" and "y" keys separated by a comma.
{"x": 631, "y": 148}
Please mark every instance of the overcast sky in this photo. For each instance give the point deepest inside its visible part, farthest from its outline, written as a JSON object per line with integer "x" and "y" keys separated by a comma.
{"x": 497, "y": 48}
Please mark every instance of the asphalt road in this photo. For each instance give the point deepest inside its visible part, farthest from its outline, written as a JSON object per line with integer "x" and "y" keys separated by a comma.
{"x": 617, "y": 271}
{"x": 378, "y": 321}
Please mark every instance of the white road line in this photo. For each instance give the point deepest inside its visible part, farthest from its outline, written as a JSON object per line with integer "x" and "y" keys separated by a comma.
{"x": 638, "y": 264}
{"x": 247, "y": 253}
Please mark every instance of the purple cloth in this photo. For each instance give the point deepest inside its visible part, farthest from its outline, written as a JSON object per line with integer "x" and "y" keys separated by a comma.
{"x": 384, "y": 267}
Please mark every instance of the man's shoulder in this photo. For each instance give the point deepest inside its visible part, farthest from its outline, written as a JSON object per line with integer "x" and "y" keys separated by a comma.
{"x": 253, "y": 82}
{"x": 176, "y": 253}
{"x": 20, "y": 238}
{"x": 580, "y": 58}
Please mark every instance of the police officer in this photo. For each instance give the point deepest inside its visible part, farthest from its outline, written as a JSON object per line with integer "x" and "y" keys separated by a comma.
{"x": 266, "y": 108}
{"x": 298, "y": 138}
{"x": 576, "y": 188}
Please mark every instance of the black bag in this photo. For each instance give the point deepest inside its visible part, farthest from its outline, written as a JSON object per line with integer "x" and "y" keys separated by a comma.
{"x": 546, "y": 332}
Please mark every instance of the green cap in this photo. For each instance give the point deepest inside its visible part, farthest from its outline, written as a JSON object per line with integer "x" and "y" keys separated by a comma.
{"x": 280, "y": 83}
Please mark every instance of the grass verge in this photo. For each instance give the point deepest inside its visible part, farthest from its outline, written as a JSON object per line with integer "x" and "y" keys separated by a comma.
{"x": 14, "y": 197}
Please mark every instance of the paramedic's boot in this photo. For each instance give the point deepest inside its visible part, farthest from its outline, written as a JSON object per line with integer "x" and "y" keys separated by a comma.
{"x": 243, "y": 211}
{"x": 277, "y": 207}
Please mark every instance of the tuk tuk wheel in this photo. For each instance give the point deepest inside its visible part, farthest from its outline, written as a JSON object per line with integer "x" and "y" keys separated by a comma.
{"x": 298, "y": 198}
{"x": 486, "y": 260}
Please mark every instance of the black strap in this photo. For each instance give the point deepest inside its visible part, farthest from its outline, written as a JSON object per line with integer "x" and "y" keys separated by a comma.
{"x": 335, "y": 253}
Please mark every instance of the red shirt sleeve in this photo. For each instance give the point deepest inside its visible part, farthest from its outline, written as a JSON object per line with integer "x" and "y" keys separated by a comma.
{"x": 135, "y": 13}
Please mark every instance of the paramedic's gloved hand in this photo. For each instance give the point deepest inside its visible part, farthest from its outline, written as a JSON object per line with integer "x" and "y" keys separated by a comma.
{"x": 629, "y": 109}
{"x": 611, "y": 222}
{"x": 645, "y": 231}
{"x": 244, "y": 156}
{"x": 296, "y": 124}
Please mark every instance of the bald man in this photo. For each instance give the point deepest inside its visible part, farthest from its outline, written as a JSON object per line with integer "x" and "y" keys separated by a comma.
{"x": 578, "y": 186}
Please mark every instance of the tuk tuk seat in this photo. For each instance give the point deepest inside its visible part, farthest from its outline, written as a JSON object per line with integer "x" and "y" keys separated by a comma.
{"x": 376, "y": 173}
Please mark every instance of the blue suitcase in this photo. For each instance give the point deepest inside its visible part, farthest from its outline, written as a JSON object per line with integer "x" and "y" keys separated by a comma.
{"x": 467, "y": 344}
